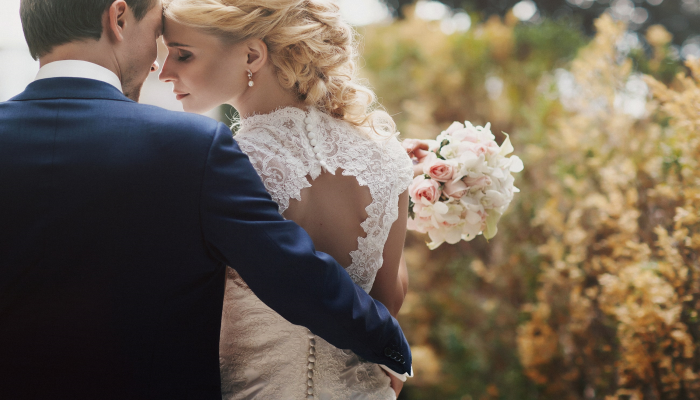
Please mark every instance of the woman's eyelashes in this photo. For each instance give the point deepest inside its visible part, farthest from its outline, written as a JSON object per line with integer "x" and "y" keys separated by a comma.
{"x": 183, "y": 55}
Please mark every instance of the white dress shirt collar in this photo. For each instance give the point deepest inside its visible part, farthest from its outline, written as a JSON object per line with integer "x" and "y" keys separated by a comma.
{"x": 78, "y": 69}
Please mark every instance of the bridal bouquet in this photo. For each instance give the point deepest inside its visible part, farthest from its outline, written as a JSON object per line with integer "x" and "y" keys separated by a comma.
{"x": 466, "y": 186}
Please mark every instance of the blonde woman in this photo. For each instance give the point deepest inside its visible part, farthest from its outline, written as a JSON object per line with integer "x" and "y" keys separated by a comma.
{"x": 332, "y": 164}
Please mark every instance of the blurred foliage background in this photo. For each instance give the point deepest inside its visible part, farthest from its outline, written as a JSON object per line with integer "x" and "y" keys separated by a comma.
{"x": 590, "y": 290}
{"x": 680, "y": 17}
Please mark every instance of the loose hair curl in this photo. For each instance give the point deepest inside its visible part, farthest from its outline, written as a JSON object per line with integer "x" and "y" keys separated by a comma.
{"x": 313, "y": 50}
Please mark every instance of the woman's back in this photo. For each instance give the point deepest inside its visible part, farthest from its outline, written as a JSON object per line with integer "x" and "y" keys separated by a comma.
{"x": 332, "y": 211}
{"x": 349, "y": 215}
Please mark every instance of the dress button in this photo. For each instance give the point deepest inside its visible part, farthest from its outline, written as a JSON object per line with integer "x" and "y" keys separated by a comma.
{"x": 310, "y": 366}
{"x": 310, "y": 390}
{"x": 310, "y": 374}
{"x": 318, "y": 156}
{"x": 310, "y": 383}
{"x": 312, "y": 350}
{"x": 310, "y": 397}
{"x": 312, "y": 359}
{"x": 309, "y": 127}
{"x": 308, "y": 120}
{"x": 311, "y": 135}
{"x": 314, "y": 142}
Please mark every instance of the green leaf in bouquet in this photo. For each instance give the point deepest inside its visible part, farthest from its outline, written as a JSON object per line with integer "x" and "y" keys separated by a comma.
{"x": 443, "y": 144}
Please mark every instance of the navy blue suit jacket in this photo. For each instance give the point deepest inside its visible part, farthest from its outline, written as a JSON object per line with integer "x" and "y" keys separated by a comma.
{"x": 117, "y": 221}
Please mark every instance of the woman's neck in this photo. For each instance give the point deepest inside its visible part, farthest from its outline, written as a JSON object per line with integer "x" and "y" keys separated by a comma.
{"x": 266, "y": 96}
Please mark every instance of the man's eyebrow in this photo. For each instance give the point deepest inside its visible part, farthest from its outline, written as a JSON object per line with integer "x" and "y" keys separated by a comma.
{"x": 175, "y": 44}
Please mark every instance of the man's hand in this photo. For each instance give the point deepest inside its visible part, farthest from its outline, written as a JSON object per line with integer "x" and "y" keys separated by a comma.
{"x": 417, "y": 149}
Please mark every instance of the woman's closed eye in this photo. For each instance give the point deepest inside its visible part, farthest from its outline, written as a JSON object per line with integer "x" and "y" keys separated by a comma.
{"x": 183, "y": 55}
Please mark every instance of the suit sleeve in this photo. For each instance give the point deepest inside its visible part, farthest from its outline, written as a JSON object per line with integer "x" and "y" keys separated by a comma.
{"x": 276, "y": 258}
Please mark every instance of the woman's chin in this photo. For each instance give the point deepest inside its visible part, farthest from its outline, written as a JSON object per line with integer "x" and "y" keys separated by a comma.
{"x": 189, "y": 106}
{"x": 193, "y": 108}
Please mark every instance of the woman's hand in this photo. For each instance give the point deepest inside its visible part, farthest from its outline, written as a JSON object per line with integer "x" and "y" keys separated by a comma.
{"x": 417, "y": 149}
{"x": 396, "y": 383}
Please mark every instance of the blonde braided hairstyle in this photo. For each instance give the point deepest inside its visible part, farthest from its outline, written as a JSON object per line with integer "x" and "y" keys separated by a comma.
{"x": 312, "y": 49}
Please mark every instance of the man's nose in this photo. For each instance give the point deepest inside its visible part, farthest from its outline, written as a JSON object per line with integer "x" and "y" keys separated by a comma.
{"x": 165, "y": 73}
{"x": 155, "y": 66}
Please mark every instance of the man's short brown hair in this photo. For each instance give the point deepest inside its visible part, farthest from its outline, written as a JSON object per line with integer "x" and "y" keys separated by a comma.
{"x": 49, "y": 23}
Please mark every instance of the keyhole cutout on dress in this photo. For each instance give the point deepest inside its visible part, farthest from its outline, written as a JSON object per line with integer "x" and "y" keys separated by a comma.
{"x": 332, "y": 211}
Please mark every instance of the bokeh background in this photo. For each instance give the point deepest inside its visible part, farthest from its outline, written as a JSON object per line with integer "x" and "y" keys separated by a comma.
{"x": 591, "y": 289}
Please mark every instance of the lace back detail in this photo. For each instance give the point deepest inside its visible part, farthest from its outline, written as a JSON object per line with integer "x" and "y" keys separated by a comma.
{"x": 284, "y": 154}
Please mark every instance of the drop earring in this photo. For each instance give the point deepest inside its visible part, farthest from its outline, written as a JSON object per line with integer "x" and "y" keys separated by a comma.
{"x": 250, "y": 79}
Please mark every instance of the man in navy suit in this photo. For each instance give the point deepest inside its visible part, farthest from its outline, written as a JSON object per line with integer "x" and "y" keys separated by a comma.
{"x": 117, "y": 221}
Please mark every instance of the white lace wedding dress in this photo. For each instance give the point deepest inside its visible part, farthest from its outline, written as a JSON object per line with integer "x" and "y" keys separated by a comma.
{"x": 262, "y": 355}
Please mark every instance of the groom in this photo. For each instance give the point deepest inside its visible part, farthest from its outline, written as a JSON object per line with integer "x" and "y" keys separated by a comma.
{"x": 117, "y": 221}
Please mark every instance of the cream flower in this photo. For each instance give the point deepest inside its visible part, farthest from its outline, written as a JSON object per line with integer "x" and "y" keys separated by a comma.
{"x": 455, "y": 189}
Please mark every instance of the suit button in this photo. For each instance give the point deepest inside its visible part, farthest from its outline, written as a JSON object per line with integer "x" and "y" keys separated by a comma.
{"x": 388, "y": 352}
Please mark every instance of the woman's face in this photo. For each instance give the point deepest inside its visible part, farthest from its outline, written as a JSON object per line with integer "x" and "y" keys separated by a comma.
{"x": 204, "y": 70}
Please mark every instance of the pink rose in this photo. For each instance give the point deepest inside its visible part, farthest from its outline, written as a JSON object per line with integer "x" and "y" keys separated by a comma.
{"x": 438, "y": 169}
{"x": 455, "y": 190}
{"x": 425, "y": 191}
{"x": 477, "y": 183}
{"x": 485, "y": 148}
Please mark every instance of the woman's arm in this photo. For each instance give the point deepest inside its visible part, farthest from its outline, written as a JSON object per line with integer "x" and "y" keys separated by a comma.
{"x": 391, "y": 283}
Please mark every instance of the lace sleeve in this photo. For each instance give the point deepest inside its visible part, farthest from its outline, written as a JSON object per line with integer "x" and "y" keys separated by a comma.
{"x": 403, "y": 164}
{"x": 283, "y": 174}
{"x": 387, "y": 176}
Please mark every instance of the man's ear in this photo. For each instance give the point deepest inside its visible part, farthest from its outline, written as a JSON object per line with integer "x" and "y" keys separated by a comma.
{"x": 257, "y": 54}
{"x": 116, "y": 20}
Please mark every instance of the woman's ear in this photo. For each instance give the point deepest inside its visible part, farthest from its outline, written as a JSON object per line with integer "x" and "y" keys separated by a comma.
{"x": 257, "y": 54}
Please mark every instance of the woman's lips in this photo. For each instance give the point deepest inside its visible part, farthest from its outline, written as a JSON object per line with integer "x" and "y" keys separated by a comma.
{"x": 181, "y": 96}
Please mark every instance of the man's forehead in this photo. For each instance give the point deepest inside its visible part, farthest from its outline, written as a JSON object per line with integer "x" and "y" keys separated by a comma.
{"x": 156, "y": 9}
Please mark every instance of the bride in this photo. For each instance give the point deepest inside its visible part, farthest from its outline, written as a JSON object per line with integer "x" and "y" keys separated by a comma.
{"x": 332, "y": 164}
